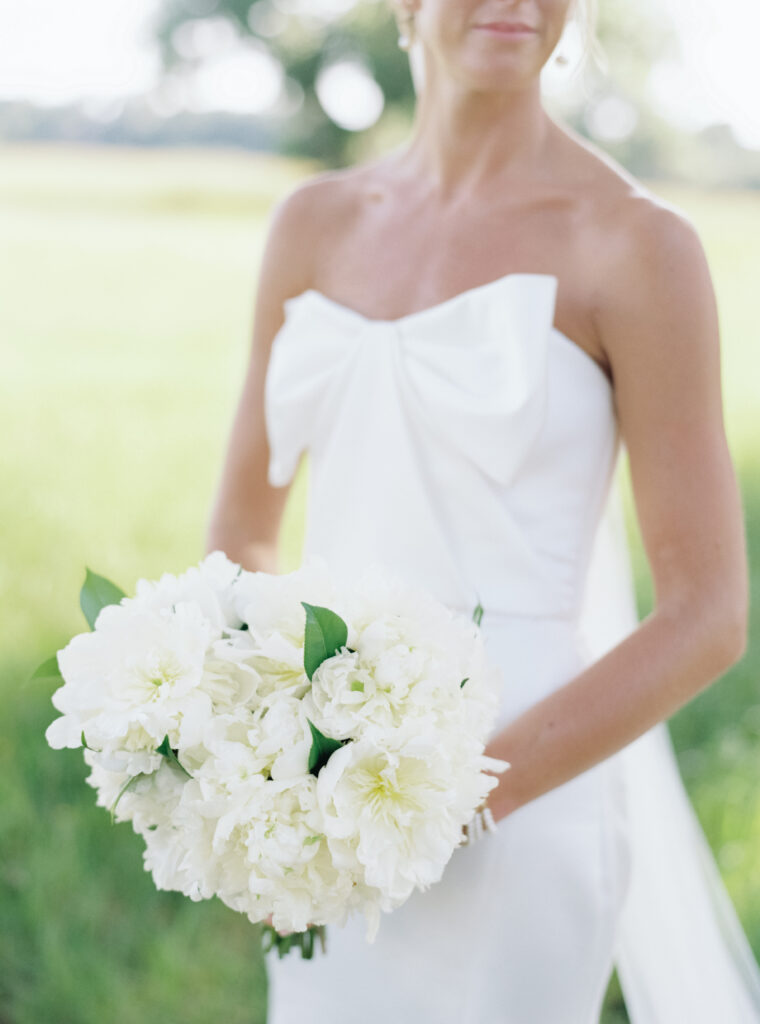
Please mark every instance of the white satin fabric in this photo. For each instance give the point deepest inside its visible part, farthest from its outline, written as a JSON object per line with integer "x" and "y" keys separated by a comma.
{"x": 472, "y": 447}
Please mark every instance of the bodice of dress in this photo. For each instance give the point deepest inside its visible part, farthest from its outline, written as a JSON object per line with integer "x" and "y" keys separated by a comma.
{"x": 469, "y": 446}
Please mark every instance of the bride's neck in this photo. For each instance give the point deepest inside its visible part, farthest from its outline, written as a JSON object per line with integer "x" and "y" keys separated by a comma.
{"x": 463, "y": 138}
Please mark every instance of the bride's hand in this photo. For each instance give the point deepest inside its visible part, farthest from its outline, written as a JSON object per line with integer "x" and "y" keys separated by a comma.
{"x": 482, "y": 821}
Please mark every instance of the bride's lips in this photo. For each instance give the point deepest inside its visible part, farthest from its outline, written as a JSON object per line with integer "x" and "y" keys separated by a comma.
{"x": 511, "y": 30}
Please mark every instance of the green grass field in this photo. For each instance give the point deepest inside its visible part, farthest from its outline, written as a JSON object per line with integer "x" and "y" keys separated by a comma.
{"x": 128, "y": 280}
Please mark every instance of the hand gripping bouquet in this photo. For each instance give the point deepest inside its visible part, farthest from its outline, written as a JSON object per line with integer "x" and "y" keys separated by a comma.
{"x": 299, "y": 748}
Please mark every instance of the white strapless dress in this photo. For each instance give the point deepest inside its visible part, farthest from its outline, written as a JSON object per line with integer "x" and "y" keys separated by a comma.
{"x": 472, "y": 447}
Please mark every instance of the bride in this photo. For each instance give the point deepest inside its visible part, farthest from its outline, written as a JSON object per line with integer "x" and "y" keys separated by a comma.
{"x": 462, "y": 335}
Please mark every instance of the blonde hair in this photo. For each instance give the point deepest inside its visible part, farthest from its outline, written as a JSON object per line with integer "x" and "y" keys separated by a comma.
{"x": 585, "y": 14}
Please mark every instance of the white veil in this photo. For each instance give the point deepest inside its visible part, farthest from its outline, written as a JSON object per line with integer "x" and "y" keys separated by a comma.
{"x": 682, "y": 954}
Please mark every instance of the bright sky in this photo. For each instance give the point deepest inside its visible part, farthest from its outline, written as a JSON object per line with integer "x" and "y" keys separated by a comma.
{"x": 101, "y": 50}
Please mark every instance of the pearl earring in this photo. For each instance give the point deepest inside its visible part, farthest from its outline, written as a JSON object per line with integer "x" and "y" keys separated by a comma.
{"x": 405, "y": 38}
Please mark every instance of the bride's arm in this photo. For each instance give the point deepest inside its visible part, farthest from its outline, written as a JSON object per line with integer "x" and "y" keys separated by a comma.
{"x": 658, "y": 320}
{"x": 247, "y": 510}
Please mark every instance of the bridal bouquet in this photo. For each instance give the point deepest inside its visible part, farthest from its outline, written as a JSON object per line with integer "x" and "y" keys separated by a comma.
{"x": 298, "y": 748}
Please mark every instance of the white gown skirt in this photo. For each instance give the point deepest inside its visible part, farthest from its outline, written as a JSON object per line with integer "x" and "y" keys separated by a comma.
{"x": 522, "y": 927}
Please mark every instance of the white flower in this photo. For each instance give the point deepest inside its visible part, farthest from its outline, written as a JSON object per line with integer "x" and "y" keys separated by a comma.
{"x": 134, "y": 679}
{"x": 278, "y": 663}
{"x": 411, "y": 659}
{"x": 257, "y": 842}
{"x": 150, "y": 797}
{"x": 270, "y": 603}
{"x": 398, "y": 812}
{"x": 343, "y": 694}
{"x": 378, "y": 593}
{"x": 271, "y": 607}
{"x": 208, "y": 584}
{"x": 229, "y": 676}
{"x": 284, "y": 738}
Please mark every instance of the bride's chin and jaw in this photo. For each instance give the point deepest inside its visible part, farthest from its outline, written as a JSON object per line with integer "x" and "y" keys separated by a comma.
{"x": 475, "y": 79}
{"x": 458, "y": 48}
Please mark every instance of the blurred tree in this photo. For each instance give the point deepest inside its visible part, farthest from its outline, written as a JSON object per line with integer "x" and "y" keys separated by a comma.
{"x": 304, "y": 44}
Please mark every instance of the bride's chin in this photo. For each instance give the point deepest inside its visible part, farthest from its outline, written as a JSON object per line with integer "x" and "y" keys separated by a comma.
{"x": 485, "y": 68}
{"x": 498, "y": 79}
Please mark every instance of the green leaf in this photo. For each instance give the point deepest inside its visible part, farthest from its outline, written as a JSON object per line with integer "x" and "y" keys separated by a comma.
{"x": 84, "y": 743}
{"x": 325, "y": 633}
{"x": 96, "y": 593}
{"x": 130, "y": 782}
{"x": 321, "y": 749}
{"x": 171, "y": 755}
{"x": 47, "y": 670}
{"x": 463, "y": 682}
{"x": 477, "y": 615}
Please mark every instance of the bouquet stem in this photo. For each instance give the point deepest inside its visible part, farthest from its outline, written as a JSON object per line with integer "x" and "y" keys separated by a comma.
{"x": 305, "y": 941}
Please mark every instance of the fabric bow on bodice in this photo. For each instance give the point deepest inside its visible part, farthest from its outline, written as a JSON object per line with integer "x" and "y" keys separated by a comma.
{"x": 417, "y": 429}
{"x": 471, "y": 372}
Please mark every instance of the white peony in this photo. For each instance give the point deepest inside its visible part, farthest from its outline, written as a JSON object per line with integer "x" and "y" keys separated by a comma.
{"x": 209, "y": 585}
{"x": 148, "y": 800}
{"x": 398, "y": 811}
{"x": 271, "y": 608}
{"x": 134, "y": 679}
{"x": 258, "y": 843}
{"x": 270, "y": 604}
{"x": 344, "y": 695}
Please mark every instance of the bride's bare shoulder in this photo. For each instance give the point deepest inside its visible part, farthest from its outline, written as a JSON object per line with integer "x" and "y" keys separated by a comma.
{"x": 653, "y": 295}
{"x": 312, "y": 216}
{"x": 614, "y": 200}
{"x": 322, "y": 194}
{"x": 643, "y": 272}
{"x": 644, "y": 247}
{"x": 633, "y": 238}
